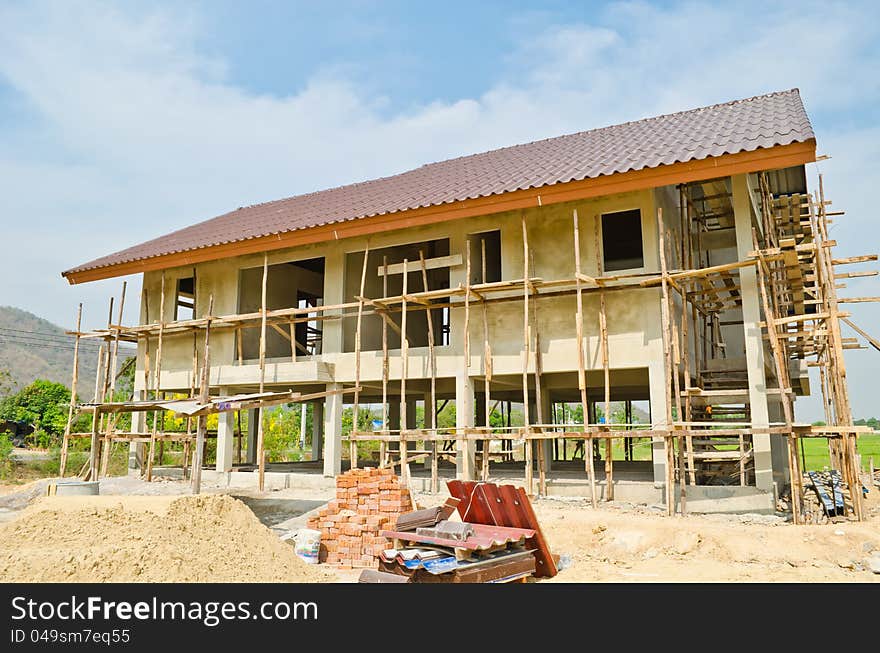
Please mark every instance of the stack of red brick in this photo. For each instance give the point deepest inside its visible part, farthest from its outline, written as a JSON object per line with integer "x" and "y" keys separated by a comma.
{"x": 367, "y": 501}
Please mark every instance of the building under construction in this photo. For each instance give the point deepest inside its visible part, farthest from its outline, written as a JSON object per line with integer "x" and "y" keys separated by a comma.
{"x": 677, "y": 267}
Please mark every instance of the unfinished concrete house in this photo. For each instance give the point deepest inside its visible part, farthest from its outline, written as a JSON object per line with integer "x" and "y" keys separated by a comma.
{"x": 677, "y": 268}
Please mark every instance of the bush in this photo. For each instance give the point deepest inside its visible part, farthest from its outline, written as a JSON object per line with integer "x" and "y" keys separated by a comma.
{"x": 7, "y": 465}
{"x": 43, "y": 404}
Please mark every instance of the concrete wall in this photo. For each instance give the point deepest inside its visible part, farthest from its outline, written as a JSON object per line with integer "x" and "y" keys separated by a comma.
{"x": 633, "y": 315}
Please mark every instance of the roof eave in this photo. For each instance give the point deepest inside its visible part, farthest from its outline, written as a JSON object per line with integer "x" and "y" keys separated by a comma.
{"x": 780, "y": 156}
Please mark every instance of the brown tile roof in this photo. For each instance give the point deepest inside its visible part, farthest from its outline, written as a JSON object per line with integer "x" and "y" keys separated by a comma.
{"x": 741, "y": 126}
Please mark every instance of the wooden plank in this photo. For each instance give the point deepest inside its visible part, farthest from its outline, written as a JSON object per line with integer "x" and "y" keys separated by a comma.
{"x": 430, "y": 264}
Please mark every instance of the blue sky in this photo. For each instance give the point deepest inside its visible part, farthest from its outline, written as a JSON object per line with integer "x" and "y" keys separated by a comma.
{"x": 123, "y": 121}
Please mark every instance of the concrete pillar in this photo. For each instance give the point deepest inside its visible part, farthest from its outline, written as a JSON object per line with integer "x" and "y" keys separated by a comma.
{"x": 225, "y": 438}
{"x": 333, "y": 431}
{"x": 317, "y": 430}
{"x": 334, "y": 279}
{"x": 751, "y": 311}
{"x": 464, "y": 418}
{"x": 393, "y": 414}
{"x": 657, "y": 395}
{"x": 411, "y": 413}
{"x": 137, "y": 450}
{"x": 253, "y": 420}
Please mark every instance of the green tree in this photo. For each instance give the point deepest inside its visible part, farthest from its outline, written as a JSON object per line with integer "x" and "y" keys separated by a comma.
{"x": 43, "y": 404}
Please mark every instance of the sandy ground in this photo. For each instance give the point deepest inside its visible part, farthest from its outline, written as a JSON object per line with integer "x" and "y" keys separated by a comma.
{"x": 156, "y": 532}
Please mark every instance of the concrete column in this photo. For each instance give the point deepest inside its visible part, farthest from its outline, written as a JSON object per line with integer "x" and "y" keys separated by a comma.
{"x": 334, "y": 279}
{"x": 657, "y": 394}
{"x": 333, "y": 431}
{"x": 317, "y": 430}
{"x": 751, "y": 311}
{"x": 464, "y": 418}
{"x": 253, "y": 420}
{"x": 225, "y": 438}
{"x": 411, "y": 413}
{"x": 393, "y": 414}
{"x": 137, "y": 450}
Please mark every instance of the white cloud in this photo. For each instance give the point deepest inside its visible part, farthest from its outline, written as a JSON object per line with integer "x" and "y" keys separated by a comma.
{"x": 134, "y": 132}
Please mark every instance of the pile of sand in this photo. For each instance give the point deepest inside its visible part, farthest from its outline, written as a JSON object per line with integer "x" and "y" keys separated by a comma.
{"x": 622, "y": 545}
{"x": 207, "y": 538}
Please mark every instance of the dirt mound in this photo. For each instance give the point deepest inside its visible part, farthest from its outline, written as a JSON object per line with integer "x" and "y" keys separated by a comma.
{"x": 621, "y": 545}
{"x": 207, "y": 538}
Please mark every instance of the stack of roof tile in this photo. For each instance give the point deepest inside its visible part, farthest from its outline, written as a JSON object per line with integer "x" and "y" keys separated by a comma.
{"x": 367, "y": 501}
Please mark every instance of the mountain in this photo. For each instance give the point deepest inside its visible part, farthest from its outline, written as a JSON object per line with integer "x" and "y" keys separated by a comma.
{"x": 34, "y": 348}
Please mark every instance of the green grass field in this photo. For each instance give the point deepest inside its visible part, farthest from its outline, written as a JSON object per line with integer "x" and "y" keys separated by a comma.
{"x": 816, "y": 451}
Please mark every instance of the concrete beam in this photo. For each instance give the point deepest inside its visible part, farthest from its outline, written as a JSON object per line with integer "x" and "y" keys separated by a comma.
{"x": 333, "y": 431}
{"x": 754, "y": 343}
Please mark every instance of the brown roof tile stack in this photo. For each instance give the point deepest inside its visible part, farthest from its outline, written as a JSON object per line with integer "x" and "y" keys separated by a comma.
{"x": 741, "y": 126}
{"x": 367, "y": 501}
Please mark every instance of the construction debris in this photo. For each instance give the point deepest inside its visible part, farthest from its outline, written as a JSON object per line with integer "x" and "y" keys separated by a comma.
{"x": 367, "y": 501}
{"x": 487, "y": 546}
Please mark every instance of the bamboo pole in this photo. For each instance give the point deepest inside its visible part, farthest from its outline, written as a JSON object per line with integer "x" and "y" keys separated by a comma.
{"x": 70, "y": 411}
{"x": 107, "y": 451}
{"x": 539, "y": 401}
{"x": 667, "y": 366}
{"x": 158, "y": 384}
{"x": 487, "y": 366}
{"x": 192, "y": 394}
{"x": 527, "y": 337}
{"x": 433, "y": 365}
{"x": 582, "y": 381}
{"x": 383, "y": 447}
{"x": 203, "y": 399}
{"x": 355, "y": 411}
{"x": 404, "y": 371}
{"x": 673, "y": 328}
{"x": 606, "y": 372}
{"x": 95, "y": 445}
{"x": 261, "y": 459}
{"x": 105, "y": 386}
{"x": 467, "y": 306}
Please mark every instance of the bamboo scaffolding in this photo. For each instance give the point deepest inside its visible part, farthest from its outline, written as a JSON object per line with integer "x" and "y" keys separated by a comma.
{"x": 487, "y": 366}
{"x": 261, "y": 454}
{"x": 355, "y": 411}
{"x": 527, "y": 337}
{"x": 158, "y": 383}
{"x": 582, "y": 382}
{"x": 198, "y": 461}
{"x": 404, "y": 372}
{"x": 71, "y": 409}
{"x": 431, "y": 409}
{"x": 667, "y": 367}
{"x": 383, "y": 446}
{"x": 606, "y": 372}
